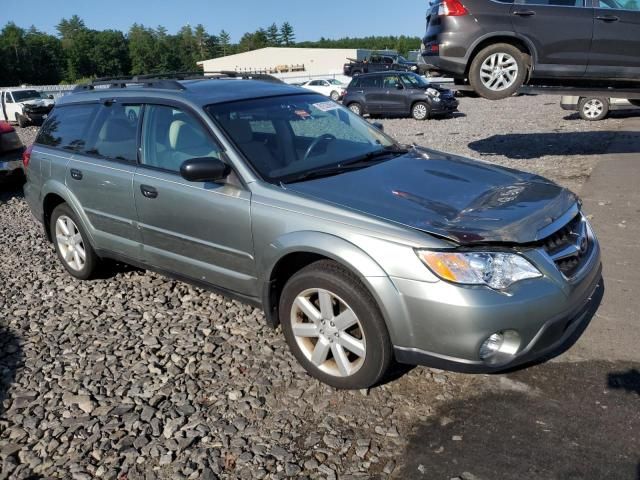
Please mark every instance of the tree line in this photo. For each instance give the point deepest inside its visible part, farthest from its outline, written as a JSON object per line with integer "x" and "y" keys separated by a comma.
{"x": 78, "y": 53}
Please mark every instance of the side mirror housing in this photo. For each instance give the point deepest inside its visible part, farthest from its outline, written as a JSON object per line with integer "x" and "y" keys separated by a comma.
{"x": 205, "y": 169}
{"x": 399, "y": 86}
{"x": 379, "y": 126}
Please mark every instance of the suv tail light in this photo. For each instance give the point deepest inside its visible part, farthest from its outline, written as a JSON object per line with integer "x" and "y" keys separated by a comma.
{"x": 26, "y": 156}
{"x": 5, "y": 127}
{"x": 452, "y": 8}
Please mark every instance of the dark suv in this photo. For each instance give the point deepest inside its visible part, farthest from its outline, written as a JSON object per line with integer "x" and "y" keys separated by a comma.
{"x": 398, "y": 93}
{"x": 498, "y": 45}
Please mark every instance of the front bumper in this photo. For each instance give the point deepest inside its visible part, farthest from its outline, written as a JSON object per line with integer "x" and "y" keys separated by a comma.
{"x": 446, "y": 104}
{"x": 448, "y": 323}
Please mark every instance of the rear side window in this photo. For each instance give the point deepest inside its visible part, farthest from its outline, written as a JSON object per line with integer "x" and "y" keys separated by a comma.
{"x": 355, "y": 83}
{"x": 370, "y": 82}
{"x": 67, "y": 127}
{"x": 114, "y": 134}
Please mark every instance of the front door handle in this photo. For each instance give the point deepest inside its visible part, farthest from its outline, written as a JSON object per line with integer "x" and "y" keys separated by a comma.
{"x": 524, "y": 13}
{"x": 608, "y": 18}
{"x": 149, "y": 192}
{"x": 76, "y": 174}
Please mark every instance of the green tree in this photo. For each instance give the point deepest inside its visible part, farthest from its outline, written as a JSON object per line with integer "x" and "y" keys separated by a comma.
{"x": 142, "y": 50}
{"x": 287, "y": 36}
{"x": 77, "y": 44}
{"x": 273, "y": 36}
{"x": 111, "y": 54}
{"x": 224, "y": 43}
{"x": 253, "y": 41}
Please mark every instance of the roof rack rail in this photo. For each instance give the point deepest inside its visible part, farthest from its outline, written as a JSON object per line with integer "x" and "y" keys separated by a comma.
{"x": 170, "y": 80}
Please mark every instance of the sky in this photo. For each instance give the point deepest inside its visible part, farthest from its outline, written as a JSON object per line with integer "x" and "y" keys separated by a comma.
{"x": 311, "y": 19}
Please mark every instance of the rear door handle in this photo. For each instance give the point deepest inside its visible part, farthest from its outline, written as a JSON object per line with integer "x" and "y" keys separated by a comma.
{"x": 524, "y": 13}
{"x": 149, "y": 192}
{"x": 608, "y": 18}
{"x": 76, "y": 174}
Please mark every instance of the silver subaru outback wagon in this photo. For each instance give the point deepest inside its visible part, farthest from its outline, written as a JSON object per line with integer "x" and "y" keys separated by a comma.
{"x": 364, "y": 251}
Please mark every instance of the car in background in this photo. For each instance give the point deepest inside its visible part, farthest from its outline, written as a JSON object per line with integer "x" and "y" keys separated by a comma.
{"x": 497, "y": 46}
{"x": 23, "y": 106}
{"x": 332, "y": 88}
{"x": 379, "y": 63}
{"x": 11, "y": 150}
{"x": 398, "y": 93}
{"x": 596, "y": 108}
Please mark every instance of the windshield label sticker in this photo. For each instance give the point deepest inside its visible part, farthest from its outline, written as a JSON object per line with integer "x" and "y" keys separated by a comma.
{"x": 302, "y": 114}
{"x": 326, "y": 106}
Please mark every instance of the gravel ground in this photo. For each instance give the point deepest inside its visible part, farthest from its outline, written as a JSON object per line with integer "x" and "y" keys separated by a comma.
{"x": 137, "y": 376}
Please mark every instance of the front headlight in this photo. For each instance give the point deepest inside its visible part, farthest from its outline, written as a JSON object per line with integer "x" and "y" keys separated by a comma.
{"x": 495, "y": 269}
{"x": 433, "y": 92}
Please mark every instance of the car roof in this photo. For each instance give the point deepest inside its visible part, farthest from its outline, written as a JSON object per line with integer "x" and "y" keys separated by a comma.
{"x": 18, "y": 89}
{"x": 386, "y": 72}
{"x": 201, "y": 91}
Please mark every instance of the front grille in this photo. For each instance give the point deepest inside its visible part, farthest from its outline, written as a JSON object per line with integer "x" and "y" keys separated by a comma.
{"x": 570, "y": 246}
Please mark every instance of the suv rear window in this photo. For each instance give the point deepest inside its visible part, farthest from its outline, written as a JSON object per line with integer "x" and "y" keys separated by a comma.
{"x": 67, "y": 127}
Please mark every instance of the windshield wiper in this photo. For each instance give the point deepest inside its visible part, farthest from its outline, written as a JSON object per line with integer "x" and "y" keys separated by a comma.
{"x": 353, "y": 164}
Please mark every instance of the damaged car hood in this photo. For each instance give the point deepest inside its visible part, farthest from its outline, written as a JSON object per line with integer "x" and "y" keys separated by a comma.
{"x": 463, "y": 200}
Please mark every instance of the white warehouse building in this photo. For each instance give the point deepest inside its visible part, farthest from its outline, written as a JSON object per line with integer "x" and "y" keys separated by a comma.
{"x": 287, "y": 62}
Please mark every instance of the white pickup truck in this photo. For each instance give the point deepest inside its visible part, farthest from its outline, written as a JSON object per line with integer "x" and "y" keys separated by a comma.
{"x": 23, "y": 106}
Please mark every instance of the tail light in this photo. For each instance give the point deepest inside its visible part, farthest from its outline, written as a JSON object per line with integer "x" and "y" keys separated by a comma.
{"x": 5, "y": 127}
{"x": 452, "y": 8}
{"x": 26, "y": 156}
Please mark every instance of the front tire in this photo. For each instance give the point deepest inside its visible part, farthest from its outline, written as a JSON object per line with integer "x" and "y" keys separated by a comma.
{"x": 22, "y": 122}
{"x": 420, "y": 111}
{"x": 356, "y": 108}
{"x": 335, "y": 96}
{"x": 72, "y": 243}
{"x": 593, "y": 109}
{"x": 334, "y": 327}
{"x": 498, "y": 71}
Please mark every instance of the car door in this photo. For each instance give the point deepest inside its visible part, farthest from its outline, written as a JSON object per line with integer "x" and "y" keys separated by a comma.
{"x": 371, "y": 86}
{"x": 560, "y": 31}
{"x": 195, "y": 230}
{"x": 615, "y": 51}
{"x": 10, "y": 107}
{"x": 393, "y": 98}
{"x": 100, "y": 172}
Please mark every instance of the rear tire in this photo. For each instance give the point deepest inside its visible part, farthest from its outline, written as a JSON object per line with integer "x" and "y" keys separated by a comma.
{"x": 334, "y": 327}
{"x": 72, "y": 243}
{"x": 498, "y": 71}
{"x": 356, "y": 108}
{"x": 593, "y": 109}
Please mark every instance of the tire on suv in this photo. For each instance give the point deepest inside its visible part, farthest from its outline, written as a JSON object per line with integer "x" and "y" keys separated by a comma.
{"x": 498, "y": 71}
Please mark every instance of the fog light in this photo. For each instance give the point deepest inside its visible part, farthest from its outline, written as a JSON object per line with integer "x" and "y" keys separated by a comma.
{"x": 501, "y": 347}
{"x": 491, "y": 346}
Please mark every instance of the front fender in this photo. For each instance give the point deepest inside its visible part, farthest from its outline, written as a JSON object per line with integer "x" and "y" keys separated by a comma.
{"x": 372, "y": 275}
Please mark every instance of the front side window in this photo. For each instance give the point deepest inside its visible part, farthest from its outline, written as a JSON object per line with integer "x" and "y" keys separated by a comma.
{"x": 390, "y": 81}
{"x": 114, "y": 134}
{"x": 619, "y": 4}
{"x": 413, "y": 80}
{"x": 171, "y": 136}
{"x": 310, "y": 133}
{"x": 67, "y": 127}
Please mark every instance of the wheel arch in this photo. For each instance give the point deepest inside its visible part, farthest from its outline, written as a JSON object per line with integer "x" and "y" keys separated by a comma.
{"x": 55, "y": 193}
{"x": 295, "y": 251}
{"x": 503, "y": 37}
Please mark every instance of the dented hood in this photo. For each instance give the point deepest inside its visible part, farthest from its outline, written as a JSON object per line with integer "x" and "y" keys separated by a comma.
{"x": 464, "y": 200}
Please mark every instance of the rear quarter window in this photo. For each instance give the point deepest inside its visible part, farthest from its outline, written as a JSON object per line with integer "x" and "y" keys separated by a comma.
{"x": 67, "y": 127}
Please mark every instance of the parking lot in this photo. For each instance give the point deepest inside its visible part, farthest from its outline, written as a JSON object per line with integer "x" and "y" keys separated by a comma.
{"x": 137, "y": 376}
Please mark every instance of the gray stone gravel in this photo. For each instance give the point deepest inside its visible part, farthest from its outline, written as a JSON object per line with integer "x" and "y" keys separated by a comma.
{"x": 136, "y": 376}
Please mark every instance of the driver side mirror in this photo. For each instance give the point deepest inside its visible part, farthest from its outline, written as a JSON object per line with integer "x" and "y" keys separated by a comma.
{"x": 399, "y": 86}
{"x": 204, "y": 169}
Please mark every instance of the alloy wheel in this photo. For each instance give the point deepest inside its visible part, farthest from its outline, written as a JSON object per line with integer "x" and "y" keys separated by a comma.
{"x": 593, "y": 108}
{"x": 328, "y": 332}
{"x": 420, "y": 111}
{"x": 499, "y": 71}
{"x": 70, "y": 243}
{"x": 355, "y": 108}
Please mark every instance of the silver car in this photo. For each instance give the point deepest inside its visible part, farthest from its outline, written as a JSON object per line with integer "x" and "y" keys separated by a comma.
{"x": 364, "y": 251}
